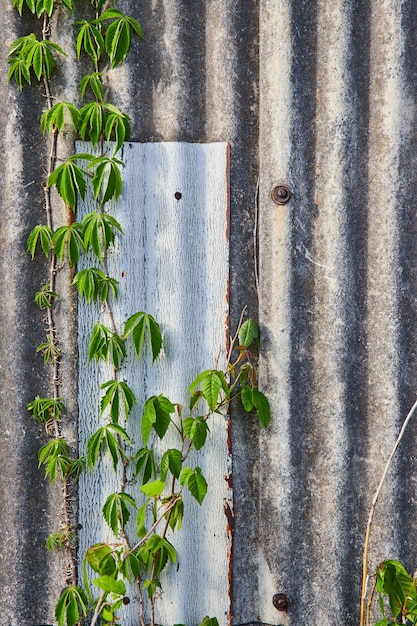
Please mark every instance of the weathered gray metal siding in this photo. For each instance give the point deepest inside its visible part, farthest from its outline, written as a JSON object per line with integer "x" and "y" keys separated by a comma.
{"x": 337, "y": 276}
{"x": 333, "y": 87}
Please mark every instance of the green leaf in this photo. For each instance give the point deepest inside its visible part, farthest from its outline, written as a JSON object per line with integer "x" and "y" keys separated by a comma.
{"x": 68, "y": 238}
{"x": 44, "y": 297}
{"x": 104, "y": 438}
{"x": 212, "y": 383}
{"x": 209, "y": 621}
{"x": 116, "y": 511}
{"x": 172, "y": 461}
{"x": 53, "y": 448}
{"x": 99, "y": 231}
{"x": 54, "y": 119}
{"x": 18, "y": 4}
{"x": 44, "y": 409}
{"x": 196, "y": 430}
{"x": 156, "y": 414}
{"x": 176, "y": 515}
{"x": 92, "y": 81}
{"x": 247, "y": 398}
{"x": 248, "y": 333}
{"x": 109, "y": 584}
{"x": 90, "y": 40}
{"x": 71, "y": 604}
{"x": 40, "y": 234}
{"x": 145, "y": 462}
{"x": 119, "y": 35}
{"x": 93, "y": 284}
{"x": 195, "y": 482}
{"x": 106, "y": 345}
{"x": 69, "y": 180}
{"x": 136, "y": 326}
{"x": 107, "y": 179}
{"x": 92, "y": 122}
{"x": 96, "y": 554}
{"x": 262, "y": 407}
{"x": 118, "y": 393}
{"x": 39, "y": 56}
{"x": 117, "y": 124}
{"x": 153, "y": 489}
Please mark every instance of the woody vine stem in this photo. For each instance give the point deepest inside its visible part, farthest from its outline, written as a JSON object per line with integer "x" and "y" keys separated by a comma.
{"x": 152, "y": 483}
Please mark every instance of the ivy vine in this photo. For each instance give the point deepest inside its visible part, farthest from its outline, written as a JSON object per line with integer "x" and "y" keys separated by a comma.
{"x": 105, "y": 39}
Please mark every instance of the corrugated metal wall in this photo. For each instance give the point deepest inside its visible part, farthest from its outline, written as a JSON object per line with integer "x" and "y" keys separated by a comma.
{"x": 319, "y": 95}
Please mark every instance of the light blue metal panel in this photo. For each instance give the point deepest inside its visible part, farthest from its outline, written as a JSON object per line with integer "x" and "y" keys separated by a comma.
{"x": 172, "y": 262}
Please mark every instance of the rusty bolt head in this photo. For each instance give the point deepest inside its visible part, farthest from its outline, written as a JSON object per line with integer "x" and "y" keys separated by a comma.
{"x": 281, "y": 602}
{"x": 281, "y": 194}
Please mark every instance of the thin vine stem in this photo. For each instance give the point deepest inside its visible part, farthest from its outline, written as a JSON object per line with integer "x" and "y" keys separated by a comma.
{"x": 365, "y": 575}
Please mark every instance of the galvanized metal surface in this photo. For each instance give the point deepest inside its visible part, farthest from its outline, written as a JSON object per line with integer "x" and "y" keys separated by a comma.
{"x": 337, "y": 112}
{"x": 172, "y": 262}
{"x": 337, "y": 302}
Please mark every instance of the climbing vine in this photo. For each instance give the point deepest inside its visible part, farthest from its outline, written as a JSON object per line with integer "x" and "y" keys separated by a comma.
{"x": 152, "y": 483}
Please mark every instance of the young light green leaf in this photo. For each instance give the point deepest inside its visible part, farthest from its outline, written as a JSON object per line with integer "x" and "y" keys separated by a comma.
{"x": 153, "y": 489}
{"x": 44, "y": 409}
{"x": 44, "y": 298}
{"x": 53, "y": 448}
{"x": 108, "y": 583}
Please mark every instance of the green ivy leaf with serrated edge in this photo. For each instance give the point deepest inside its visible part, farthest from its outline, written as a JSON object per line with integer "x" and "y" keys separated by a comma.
{"x": 119, "y": 35}
{"x": 116, "y": 511}
{"x": 118, "y": 394}
{"x": 195, "y": 482}
{"x": 41, "y": 234}
{"x": 136, "y": 326}
{"x": 196, "y": 430}
{"x": 99, "y": 231}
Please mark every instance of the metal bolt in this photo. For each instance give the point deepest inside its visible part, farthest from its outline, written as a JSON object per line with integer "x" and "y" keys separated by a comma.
{"x": 281, "y": 602}
{"x": 178, "y": 195}
{"x": 281, "y": 194}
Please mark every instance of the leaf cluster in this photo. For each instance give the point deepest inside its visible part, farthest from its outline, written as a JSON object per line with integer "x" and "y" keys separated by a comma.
{"x": 395, "y": 583}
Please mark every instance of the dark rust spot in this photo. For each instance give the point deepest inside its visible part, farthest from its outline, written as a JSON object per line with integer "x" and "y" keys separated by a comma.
{"x": 281, "y": 602}
{"x": 178, "y": 195}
